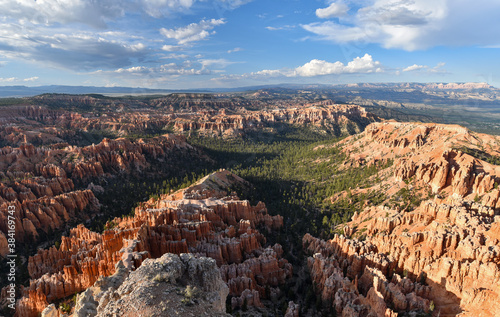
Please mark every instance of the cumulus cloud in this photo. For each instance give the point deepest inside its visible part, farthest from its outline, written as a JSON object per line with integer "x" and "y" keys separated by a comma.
{"x": 424, "y": 68}
{"x": 186, "y": 66}
{"x": 15, "y": 79}
{"x": 364, "y": 64}
{"x": 94, "y": 13}
{"x": 192, "y": 32}
{"x": 85, "y": 35}
{"x": 335, "y": 9}
{"x": 170, "y": 69}
{"x": 176, "y": 56}
{"x": 8, "y": 80}
{"x": 77, "y": 51}
{"x": 439, "y": 68}
{"x": 413, "y": 24}
{"x": 414, "y": 67}
{"x": 159, "y": 8}
{"x": 316, "y": 67}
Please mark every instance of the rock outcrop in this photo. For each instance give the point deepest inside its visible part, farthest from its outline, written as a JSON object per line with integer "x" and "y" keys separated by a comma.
{"x": 202, "y": 219}
{"x": 40, "y": 181}
{"x": 439, "y": 254}
{"x": 341, "y": 119}
{"x": 171, "y": 285}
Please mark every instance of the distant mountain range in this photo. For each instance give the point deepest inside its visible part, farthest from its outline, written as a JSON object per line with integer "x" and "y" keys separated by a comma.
{"x": 24, "y": 91}
{"x": 444, "y": 86}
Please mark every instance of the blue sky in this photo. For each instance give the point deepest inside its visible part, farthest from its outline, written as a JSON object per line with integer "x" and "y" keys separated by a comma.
{"x": 234, "y": 43}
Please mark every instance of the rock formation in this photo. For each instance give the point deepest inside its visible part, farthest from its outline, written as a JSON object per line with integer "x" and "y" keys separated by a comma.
{"x": 40, "y": 181}
{"x": 341, "y": 119}
{"x": 47, "y": 121}
{"x": 193, "y": 285}
{"x": 202, "y": 220}
{"x": 441, "y": 256}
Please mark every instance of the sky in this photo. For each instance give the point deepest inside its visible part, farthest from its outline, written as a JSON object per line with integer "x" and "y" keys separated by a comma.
{"x": 184, "y": 44}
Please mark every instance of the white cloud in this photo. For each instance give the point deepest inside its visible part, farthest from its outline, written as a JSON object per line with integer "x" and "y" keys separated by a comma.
{"x": 171, "y": 48}
{"x": 218, "y": 62}
{"x": 413, "y": 24}
{"x": 159, "y": 8}
{"x": 94, "y": 13}
{"x": 339, "y": 33}
{"x": 15, "y": 79}
{"x": 336, "y": 9}
{"x": 234, "y": 50}
{"x": 183, "y": 67}
{"x": 48, "y": 12}
{"x": 152, "y": 72}
{"x": 72, "y": 50}
{"x": 192, "y": 32}
{"x": 8, "y": 80}
{"x": 414, "y": 67}
{"x": 436, "y": 69}
{"x": 176, "y": 56}
{"x": 279, "y": 28}
{"x": 439, "y": 68}
{"x": 362, "y": 65}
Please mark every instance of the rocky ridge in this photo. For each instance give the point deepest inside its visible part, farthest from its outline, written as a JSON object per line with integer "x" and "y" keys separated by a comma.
{"x": 168, "y": 286}
{"x": 40, "y": 181}
{"x": 202, "y": 219}
{"x": 341, "y": 119}
{"x": 441, "y": 257}
{"x": 46, "y": 124}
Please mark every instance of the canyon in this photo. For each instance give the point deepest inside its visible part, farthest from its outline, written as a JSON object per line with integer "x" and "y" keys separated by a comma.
{"x": 51, "y": 185}
{"x": 203, "y": 219}
{"x": 47, "y": 122}
{"x": 440, "y": 256}
{"x": 428, "y": 244}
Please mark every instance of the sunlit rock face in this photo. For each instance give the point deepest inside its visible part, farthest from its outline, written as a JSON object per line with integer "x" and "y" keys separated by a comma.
{"x": 202, "y": 219}
{"x": 441, "y": 256}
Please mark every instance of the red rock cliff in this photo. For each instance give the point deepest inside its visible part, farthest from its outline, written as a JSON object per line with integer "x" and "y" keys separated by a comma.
{"x": 221, "y": 227}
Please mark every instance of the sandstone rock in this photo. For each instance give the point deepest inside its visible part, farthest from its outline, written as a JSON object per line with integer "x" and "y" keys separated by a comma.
{"x": 197, "y": 225}
{"x": 445, "y": 250}
{"x": 144, "y": 289}
{"x": 51, "y": 311}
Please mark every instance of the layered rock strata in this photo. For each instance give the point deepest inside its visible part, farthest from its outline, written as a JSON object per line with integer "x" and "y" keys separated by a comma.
{"x": 201, "y": 219}
{"x": 441, "y": 256}
{"x": 40, "y": 181}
